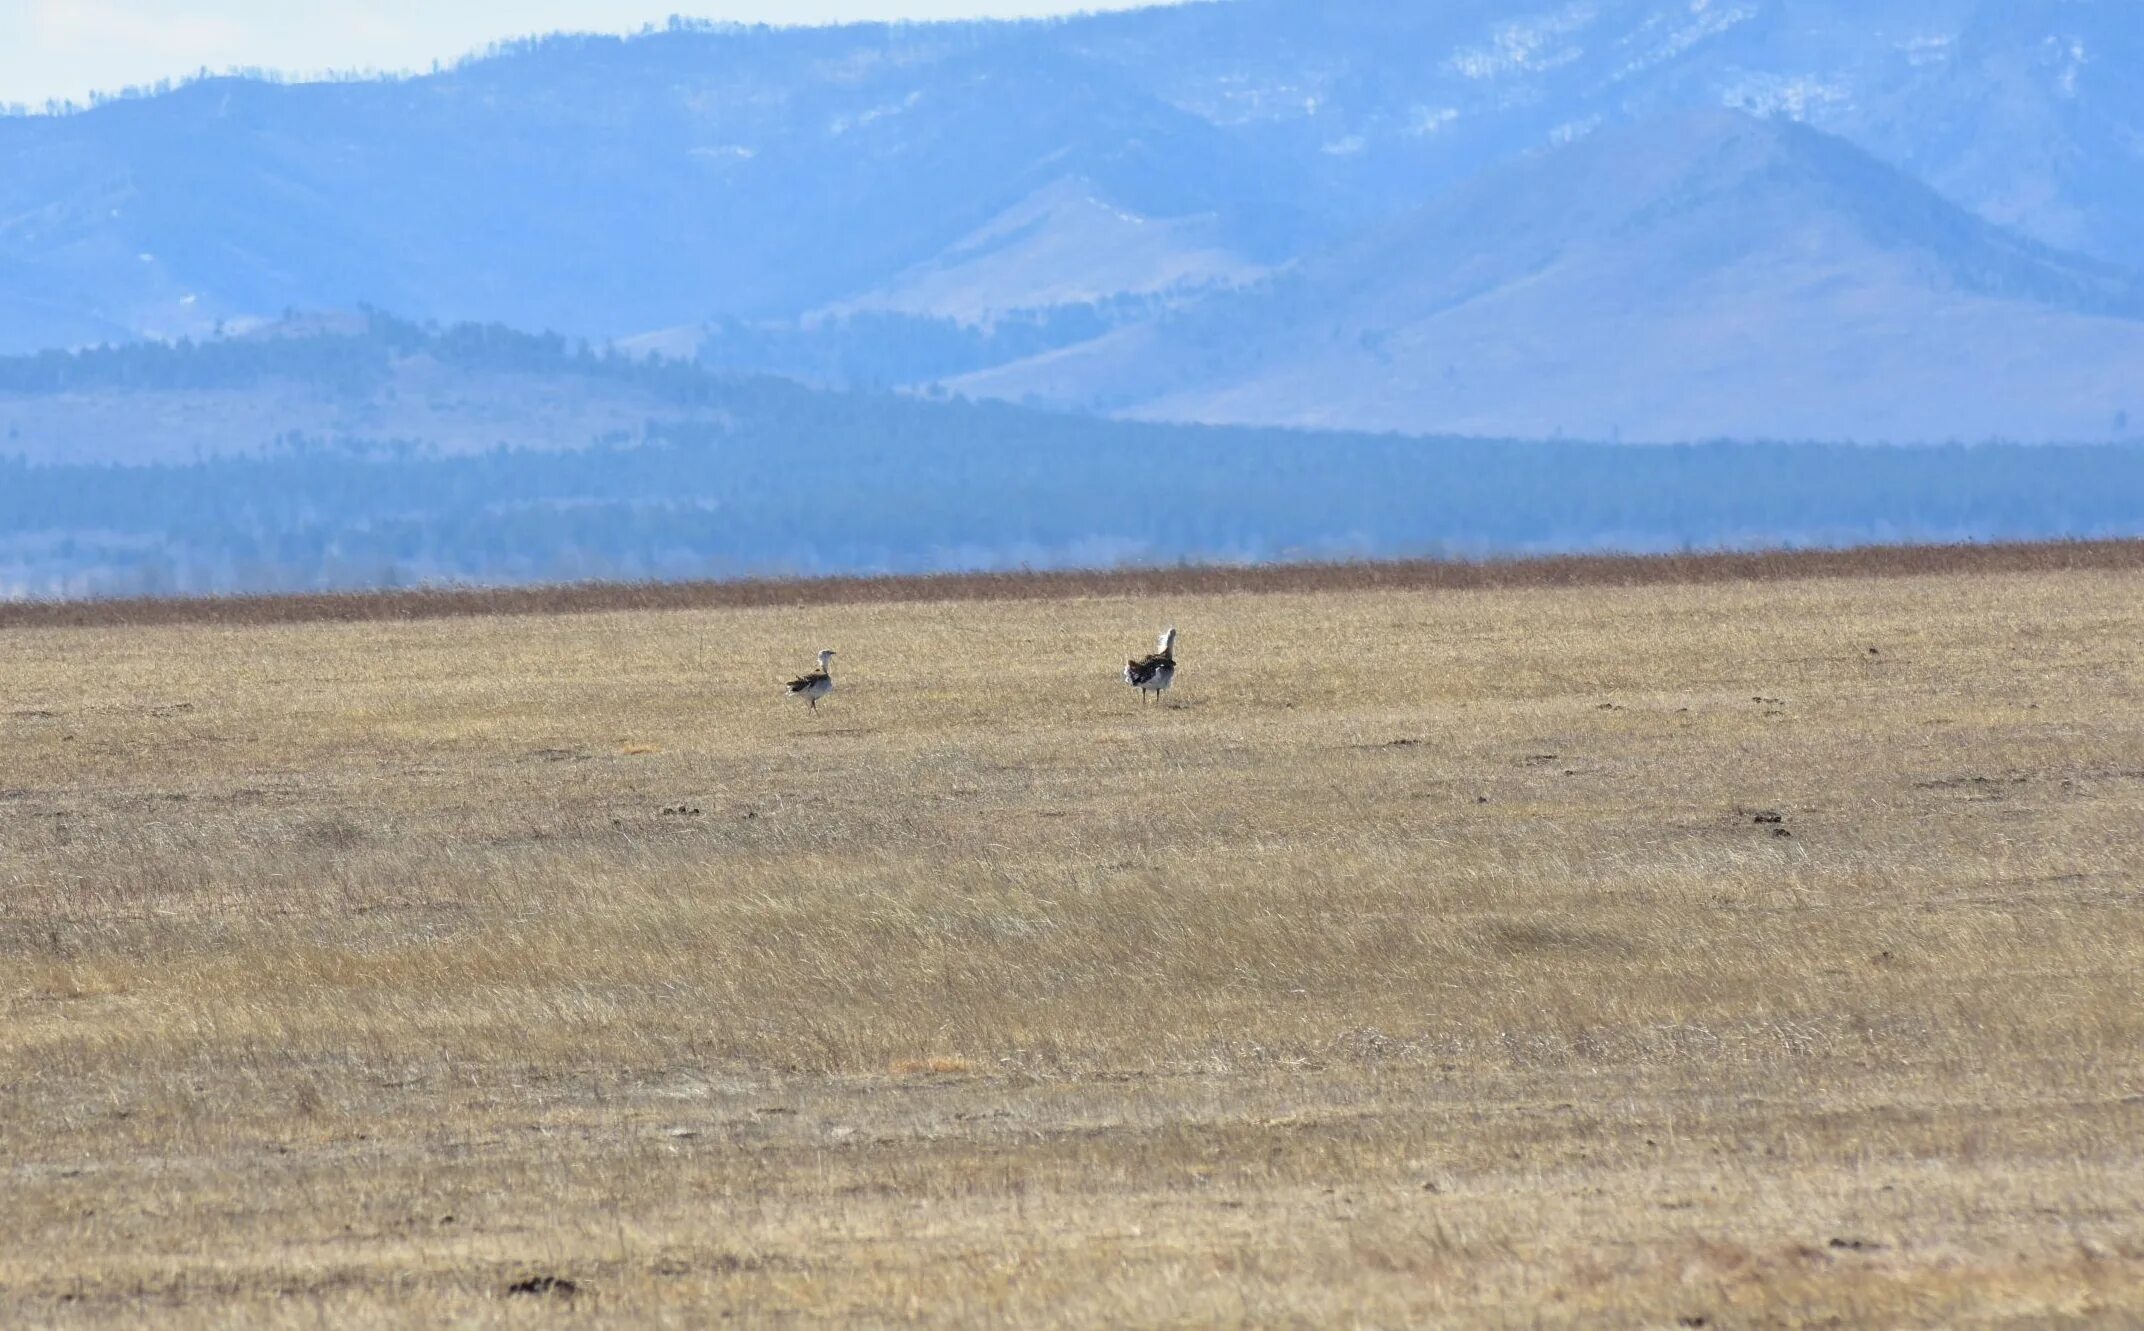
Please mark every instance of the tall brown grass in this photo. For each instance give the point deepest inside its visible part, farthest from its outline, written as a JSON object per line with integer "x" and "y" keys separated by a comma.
{"x": 1713, "y": 952}
{"x": 1691, "y": 569}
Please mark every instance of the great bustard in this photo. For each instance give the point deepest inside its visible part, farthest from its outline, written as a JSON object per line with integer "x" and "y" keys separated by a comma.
{"x": 816, "y": 685}
{"x": 1152, "y": 675}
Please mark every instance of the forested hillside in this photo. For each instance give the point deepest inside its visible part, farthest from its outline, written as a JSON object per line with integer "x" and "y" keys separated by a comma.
{"x": 688, "y": 473}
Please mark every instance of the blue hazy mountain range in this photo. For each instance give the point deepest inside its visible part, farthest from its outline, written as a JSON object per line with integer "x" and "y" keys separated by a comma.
{"x": 651, "y": 187}
{"x": 1240, "y": 279}
{"x": 1705, "y": 275}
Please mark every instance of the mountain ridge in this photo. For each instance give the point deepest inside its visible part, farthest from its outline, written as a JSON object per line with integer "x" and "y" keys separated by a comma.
{"x": 611, "y": 188}
{"x": 1706, "y": 275}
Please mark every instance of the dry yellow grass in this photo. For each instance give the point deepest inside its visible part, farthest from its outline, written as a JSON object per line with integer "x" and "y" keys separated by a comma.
{"x": 1436, "y": 959}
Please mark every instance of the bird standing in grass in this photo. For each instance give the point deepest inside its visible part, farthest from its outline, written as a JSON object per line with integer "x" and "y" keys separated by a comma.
{"x": 1152, "y": 675}
{"x": 816, "y": 685}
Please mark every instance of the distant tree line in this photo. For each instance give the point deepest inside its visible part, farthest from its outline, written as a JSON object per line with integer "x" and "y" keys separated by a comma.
{"x": 758, "y": 474}
{"x": 356, "y": 358}
{"x": 890, "y": 349}
{"x": 866, "y": 349}
{"x": 849, "y": 483}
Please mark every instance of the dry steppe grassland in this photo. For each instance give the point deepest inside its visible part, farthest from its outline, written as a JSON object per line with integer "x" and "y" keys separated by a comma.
{"x": 1730, "y": 954}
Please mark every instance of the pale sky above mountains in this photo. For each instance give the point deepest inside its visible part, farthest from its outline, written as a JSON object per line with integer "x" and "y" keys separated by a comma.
{"x": 67, "y": 49}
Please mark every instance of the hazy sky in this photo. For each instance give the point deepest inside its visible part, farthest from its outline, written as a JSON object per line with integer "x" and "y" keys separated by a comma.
{"x": 68, "y": 48}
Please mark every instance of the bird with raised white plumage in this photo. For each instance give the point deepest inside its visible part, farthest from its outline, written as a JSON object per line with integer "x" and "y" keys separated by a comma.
{"x": 1153, "y": 675}
{"x": 816, "y": 685}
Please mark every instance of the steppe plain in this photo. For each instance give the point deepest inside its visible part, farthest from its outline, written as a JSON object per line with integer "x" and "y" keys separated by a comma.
{"x": 1706, "y": 943}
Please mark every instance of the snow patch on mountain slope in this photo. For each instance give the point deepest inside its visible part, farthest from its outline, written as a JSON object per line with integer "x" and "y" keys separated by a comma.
{"x": 1530, "y": 46}
{"x": 1795, "y": 96}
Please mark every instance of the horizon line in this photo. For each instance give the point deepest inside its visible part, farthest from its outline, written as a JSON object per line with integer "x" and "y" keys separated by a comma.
{"x": 517, "y": 43}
